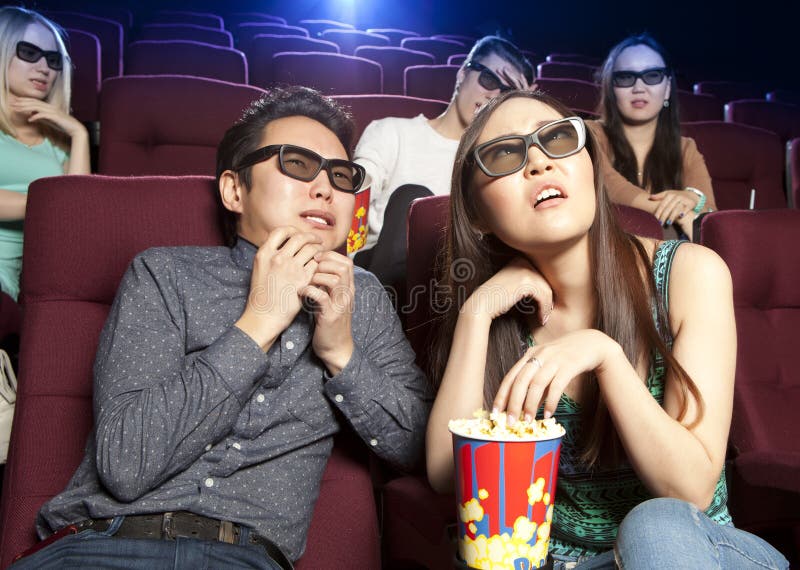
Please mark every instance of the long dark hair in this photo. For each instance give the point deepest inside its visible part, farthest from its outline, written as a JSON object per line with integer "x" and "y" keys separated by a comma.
{"x": 624, "y": 286}
{"x": 663, "y": 167}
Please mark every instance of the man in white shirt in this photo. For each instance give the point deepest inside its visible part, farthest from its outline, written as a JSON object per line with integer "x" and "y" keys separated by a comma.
{"x": 409, "y": 158}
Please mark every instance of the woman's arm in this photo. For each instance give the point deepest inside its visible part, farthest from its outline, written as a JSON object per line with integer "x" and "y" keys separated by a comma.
{"x": 461, "y": 389}
{"x": 12, "y": 205}
{"x": 670, "y": 458}
{"x": 695, "y": 172}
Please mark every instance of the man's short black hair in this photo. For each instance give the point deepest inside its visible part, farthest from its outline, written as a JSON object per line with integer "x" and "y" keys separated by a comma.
{"x": 246, "y": 133}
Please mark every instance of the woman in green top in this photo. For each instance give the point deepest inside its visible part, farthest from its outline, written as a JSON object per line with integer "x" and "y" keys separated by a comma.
{"x": 633, "y": 346}
{"x": 38, "y": 136}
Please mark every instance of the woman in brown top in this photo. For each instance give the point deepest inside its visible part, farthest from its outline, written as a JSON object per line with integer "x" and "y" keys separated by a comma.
{"x": 646, "y": 162}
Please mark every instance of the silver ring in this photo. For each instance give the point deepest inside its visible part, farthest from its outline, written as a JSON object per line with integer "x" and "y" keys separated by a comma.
{"x": 534, "y": 360}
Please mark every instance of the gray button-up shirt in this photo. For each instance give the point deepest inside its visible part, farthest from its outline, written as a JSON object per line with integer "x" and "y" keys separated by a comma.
{"x": 191, "y": 414}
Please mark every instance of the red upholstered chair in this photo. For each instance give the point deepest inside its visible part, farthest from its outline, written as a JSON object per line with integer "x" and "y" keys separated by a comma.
{"x": 109, "y": 32}
{"x": 186, "y": 32}
{"x": 233, "y": 19}
{"x": 84, "y": 49}
{"x": 246, "y": 31}
{"x": 81, "y": 233}
{"x": 577, "y": 95}
{"x": 316, "y": 27}
{"x": 367, "y": 108}
{"x": 260, "y": 49}
{"x": 395, "y": 35}
{"x": 349, "y": 40}
{"x": 729, "y": 90}
{"x": 761, "y": 251}
{"x": 439, "y": 49}
{"x": 574, "y": 58}
{"x": 430, "y": 81}
{"x": 793, "y": 171}
{"x": 694, "y": 107}
{"x": 393, "y": 61}
{"x": 205, "y": 19}
{"x": 167, "y": 124}
{"x": 780, "y": 118}
{"x": 457, "y": 59}
{"x": 784, "y": 96}
{"x": 566, "y": 70}
{"x": 740, "y": 158}
{"x": 10, "y": 317}
{"x": 179, "y": 57}
{"x": 330, "y": 73}
{"x": 466, "y": 40}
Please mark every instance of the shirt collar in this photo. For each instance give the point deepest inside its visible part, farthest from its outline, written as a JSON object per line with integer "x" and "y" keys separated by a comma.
{"x": 243, "y": 253}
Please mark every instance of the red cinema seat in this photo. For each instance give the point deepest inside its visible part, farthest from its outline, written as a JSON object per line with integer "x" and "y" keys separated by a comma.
{"x": 760, "y": 249}
{"x": 780, "y": 118}
{"x": 739, "y": 159}
{"x": 439, "y": 49}
{"x": 329, "y": 73}
{"x": 393, "y": 61}
{"x": 349, "y": 40}
{"x": 81, "y": 233}
{"x": 580, "y": 96}
{"x": 260, "y": 49}
{"x": 367, "y": 108}
{"x": 246, "y": 31}
{"x": 395, "y": 35}
{"x": 205, "y": 19}
{"x": 694, "y": 107}
{"x": 186, "y": 32}
{"x": 430, "y": 81}
{"x": 109, "y": 32}
{"x": 166, "y": 124}
{"x": 566, "y": 70}
{"x": 180, "y": 57}
{"x": 729, "y": 90}
{"x": 84, "y": 50}
{"x": 793, "y": 171}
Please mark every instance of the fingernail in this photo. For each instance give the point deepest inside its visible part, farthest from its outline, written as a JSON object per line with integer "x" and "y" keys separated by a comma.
{"x": 681, "y": 215}
{"x": 548, "y": 414}
{"x": 510, "y": 419}
{"x": 545, "y": 319}
{"x": 528, "y": 418}
{"x": 669, "y": 222}
{"x": 495, "y": 410}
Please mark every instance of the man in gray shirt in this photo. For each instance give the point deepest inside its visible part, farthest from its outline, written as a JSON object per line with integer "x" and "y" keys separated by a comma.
{"x": 222, "y": 373}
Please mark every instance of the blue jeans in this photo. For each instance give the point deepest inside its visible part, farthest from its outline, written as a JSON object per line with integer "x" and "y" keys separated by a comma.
{"x": 669, "y": 533}
{"x": 91, "y": 549}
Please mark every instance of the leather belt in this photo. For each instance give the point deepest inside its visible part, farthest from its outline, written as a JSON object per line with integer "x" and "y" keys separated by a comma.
{"x": 171, "y": 525}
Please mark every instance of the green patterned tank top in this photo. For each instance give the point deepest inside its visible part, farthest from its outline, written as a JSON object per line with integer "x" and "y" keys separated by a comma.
{"x": 590, "y": 504}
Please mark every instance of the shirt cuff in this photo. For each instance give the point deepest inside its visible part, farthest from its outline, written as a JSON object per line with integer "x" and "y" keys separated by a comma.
{"x": 239, "y": 362}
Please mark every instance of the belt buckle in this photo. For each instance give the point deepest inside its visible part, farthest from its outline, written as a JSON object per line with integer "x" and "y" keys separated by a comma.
{"x": 167, "y": 529}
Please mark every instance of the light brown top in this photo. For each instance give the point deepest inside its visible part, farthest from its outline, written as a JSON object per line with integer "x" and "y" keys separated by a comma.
{"x": 622, "y": 191}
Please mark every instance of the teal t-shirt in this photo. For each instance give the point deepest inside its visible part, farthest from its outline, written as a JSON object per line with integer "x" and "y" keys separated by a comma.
{"x": 19, "y": 166}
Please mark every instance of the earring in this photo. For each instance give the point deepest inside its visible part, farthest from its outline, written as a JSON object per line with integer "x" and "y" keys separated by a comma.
{"x": 666, "y": 103}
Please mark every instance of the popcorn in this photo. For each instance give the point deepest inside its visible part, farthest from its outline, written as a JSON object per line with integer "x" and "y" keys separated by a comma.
{"x": 494, "y": 426}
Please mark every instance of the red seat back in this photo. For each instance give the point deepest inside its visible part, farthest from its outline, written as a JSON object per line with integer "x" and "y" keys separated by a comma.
{"x": 439, "y": 48}
{"x": 349, "y": 40}
{"x": 567, "y": 70}
{"x": 695, "y": 107}
{"x": 260, "y": 49}
{"x": 729, "y": 90}
{"x": 367, "y": 108}
{"x": 180, "y": 57}
{"x": 166, "y": 124}
{"x": 793, "y": 171}
{"x": 395, "y": 35}
{"x": 109, "y": 32}
{"x": 393, "y": 61}
{"x": 205, "y": 19}
{"x": 780, "y": 118}
{"x": 580, "y": 96}
{"x": 740, "y": 158}
{"x": 81, "y": 233}
{"x": 186, "y": 32}
{"x": 329, "y": 73}
{"x": 430, "y": 81}
{"x": 84, "y": 49}
{"x": 315, "y": 27}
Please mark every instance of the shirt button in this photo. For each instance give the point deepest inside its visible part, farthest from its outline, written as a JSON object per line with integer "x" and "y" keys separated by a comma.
{"x": 237, "y": 445}
{"x": 260, "y": 398}
{"x": 373, "y": 442}
{"x": 208, "y": 447}
{"x": 339, "y": 398}
{"x": 209, "y": 482}
{"x": 289, "y": 345}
